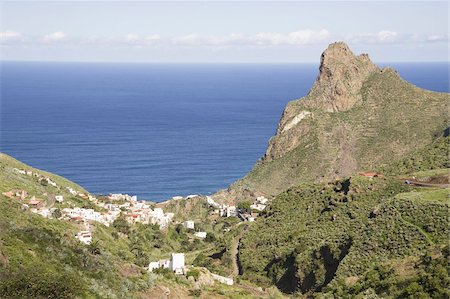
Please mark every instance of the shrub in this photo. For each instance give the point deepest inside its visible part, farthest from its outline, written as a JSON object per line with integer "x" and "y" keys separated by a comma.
{"x": 194, "y": 273}
{"x": 195, "y": 293}
{"x": 40, "y": 281}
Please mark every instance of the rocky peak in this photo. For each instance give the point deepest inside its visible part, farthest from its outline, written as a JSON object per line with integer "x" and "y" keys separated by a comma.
{"x": 341, "y": 75}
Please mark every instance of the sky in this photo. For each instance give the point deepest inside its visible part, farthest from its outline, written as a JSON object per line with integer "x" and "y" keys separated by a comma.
{"x": 221, "y": 32}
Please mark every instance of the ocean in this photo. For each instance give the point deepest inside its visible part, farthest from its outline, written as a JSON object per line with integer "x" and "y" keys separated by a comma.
{"x": 155, "y": 130}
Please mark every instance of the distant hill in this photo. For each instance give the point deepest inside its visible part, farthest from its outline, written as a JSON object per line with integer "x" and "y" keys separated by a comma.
{"x": 356, "y": 117}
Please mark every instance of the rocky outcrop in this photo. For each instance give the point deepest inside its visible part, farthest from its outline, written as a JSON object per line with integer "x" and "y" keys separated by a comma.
{"x": 337, "y": 88}
{"x": 355, "y": 116}
{"x": 341, "y": 76}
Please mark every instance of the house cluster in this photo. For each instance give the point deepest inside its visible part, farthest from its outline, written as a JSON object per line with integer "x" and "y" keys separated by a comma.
{"x": 189, "y": 224}
{"x": 223, "y": 210}
{"x": 115, "y": 204}
{"x": 175, "y": 264}
{"x": 121, "y": 197}
{"x": 86, "y": 215}
{"x": 41, "y": 178}
{"x": 134, "y": 211}
{"x": 140, "y": 212}
{"x": 28, "y": 202}
{"x": 259, "y": 204}
{"x": 84, "y": 236}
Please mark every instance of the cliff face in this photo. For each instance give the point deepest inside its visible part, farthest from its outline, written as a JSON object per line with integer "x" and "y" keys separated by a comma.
{"x": 354, "y": 117}
{"x": 336, "y": 89}
{"x": 341, "y": 76}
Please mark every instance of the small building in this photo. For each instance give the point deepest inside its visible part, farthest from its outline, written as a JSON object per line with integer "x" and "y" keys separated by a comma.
{"x": 262, "y": 200}
{"x": 35, "y": 203}
{"x": 85, "y": 237}
{"x": 177, "y": 263}
{"x": 258, "y": 206}
{"x": 9, "y": 194}
{"x": 158, "y": 213}
{"x": 22, "y": 194}
{"x": 59, "y": 198}
{"x": 200, "y": 235}
{"x": 152, "y": 266}
{"x": 164, "y": 264}
{"x": 189, "y": 224}
{"x": 231, "y": 211}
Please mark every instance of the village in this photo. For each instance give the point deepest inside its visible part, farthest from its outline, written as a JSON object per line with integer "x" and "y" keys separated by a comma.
{"x": 106, "y": 209}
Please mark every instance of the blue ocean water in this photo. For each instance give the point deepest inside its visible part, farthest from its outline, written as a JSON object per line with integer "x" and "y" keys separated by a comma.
{"x": 155, "y": 130}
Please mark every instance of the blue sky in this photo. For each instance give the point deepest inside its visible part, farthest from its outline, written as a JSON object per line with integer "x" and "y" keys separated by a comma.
{"x": 251, "y": 32}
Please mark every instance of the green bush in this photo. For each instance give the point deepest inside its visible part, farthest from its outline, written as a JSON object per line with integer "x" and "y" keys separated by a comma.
{"x": 194, "y": 273}
{"x": 40, "y": 281}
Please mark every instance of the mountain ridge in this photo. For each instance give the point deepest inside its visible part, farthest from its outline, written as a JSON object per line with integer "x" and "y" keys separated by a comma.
{"x": 354, "y": 115}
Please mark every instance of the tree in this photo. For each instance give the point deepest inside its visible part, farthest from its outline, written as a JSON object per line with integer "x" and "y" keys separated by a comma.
{"x": 121, "y": 225}
{"x": 94, "y": 247}
{"x": 194, "y": 273}
{"x": 244, "y": 205}
{"x": 57, "y": 214}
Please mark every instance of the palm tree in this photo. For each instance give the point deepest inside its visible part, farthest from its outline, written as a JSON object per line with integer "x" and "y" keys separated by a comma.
{"x": 94, "y": 247}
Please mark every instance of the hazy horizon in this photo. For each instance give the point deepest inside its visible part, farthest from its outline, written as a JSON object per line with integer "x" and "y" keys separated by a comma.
{"x": 221, "y": 32}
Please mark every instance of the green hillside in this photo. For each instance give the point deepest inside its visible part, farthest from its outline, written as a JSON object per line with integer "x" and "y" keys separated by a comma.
{"x": 40, "y": 257}
{"x": 356, "y": 117}
{"x": 10, "y": 179}
{"x": 358, "y": 236}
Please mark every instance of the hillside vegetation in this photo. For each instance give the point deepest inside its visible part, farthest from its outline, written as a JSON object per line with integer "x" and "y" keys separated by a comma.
{"x": 41, "y": 258}
{"x": 356, "y": 117}
{"x": 358, "y": 236}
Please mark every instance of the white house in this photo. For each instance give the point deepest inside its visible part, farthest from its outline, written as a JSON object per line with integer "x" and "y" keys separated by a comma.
{"x": 211, "y": 202}
{"x": 262, "y": 200}
{"x": 59, "y": 198}
{"x": 200, "y": 235}
{"x": 85, "y": 237}
{"x": 177, "y": 263}
{"x": 189, "y": 224}
{"x": 231, "y": 211}
{"x": 72, "y": 191}
{"x": 152, "y": 266}
{"x": 158, "y": 213}
{"x": 164, "y": 264}
{"x": 259, "y": 207}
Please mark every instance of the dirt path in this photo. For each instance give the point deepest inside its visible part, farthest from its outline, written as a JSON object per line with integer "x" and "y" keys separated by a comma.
{"x": 419, "y": 229}
{"x": 235, "y": 251}
{"x": 422, "y": 184}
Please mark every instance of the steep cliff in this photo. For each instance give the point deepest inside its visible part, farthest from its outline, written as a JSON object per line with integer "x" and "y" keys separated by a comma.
{"x": 356, "y": 117}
